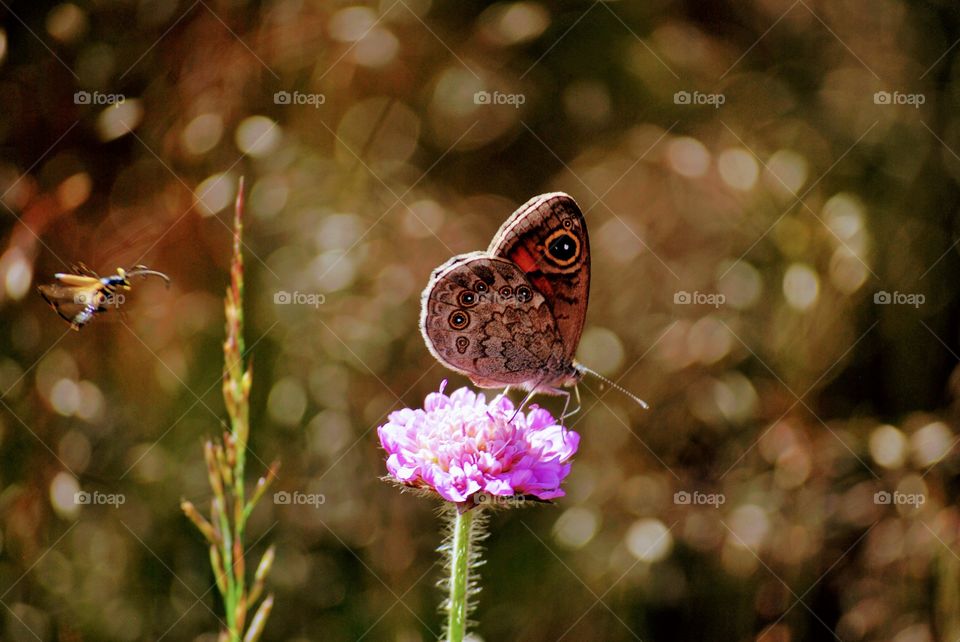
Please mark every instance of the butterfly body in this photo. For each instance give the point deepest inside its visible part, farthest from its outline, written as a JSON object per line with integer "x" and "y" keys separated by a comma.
{"x": 513, "y": 315}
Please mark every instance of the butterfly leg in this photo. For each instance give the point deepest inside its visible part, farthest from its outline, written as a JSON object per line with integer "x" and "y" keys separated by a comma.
{"x": 523, "y": 403}
{"x": 560, "y": 392}
{"x": 504, "y": 394}
{"x": 566, "y": 404}
{"x": 554, "y": 391}
{"x": 576, "y": 393}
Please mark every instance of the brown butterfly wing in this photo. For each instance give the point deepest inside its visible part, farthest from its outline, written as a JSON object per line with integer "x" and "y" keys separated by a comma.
{"x": 482, "y": 317}
{"x": 547, "y": 239}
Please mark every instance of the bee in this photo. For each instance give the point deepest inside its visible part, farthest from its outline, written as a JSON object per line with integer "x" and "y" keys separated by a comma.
{"x": 79, "y": 296}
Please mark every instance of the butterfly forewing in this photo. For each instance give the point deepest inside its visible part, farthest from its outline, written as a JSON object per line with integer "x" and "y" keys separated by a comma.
{"x": 546, "y": 238}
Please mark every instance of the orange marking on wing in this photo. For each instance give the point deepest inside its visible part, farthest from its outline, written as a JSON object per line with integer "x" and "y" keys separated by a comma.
{"x": 524, "y": 260}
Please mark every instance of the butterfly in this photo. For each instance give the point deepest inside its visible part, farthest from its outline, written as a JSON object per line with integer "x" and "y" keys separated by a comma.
{"x": 512, "y": 316}
{"x": 80, "y": 296}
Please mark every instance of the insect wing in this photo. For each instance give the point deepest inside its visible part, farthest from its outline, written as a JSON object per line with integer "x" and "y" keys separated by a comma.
{"x": 480, "y": 316}
{"x": 78, "y": 280}
{"x": 75, "y": 304}
{"x": 547, "y": 239}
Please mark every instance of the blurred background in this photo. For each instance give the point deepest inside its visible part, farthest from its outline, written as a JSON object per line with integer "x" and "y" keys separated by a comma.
{"x": 771, "y": 188}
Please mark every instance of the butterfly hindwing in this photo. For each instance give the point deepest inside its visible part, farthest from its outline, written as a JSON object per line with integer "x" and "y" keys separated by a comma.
{"x": 482, "y": 317}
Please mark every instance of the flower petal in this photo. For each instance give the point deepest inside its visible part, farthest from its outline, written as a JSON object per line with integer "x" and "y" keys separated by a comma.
{"x": 460, "y": 445}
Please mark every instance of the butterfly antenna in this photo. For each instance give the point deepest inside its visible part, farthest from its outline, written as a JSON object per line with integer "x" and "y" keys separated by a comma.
{"x": 643, "y": 404}
{"x": 144, "y": 271}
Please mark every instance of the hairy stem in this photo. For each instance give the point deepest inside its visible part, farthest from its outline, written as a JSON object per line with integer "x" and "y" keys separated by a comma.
{"x": 463, "y": 557}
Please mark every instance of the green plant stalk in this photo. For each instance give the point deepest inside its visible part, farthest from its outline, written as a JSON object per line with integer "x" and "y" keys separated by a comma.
{"x": 460, "y": 552}
{"x": 236, "y": 442}
{"x": 239, "y": 418}
{"x": 226, "y": 467}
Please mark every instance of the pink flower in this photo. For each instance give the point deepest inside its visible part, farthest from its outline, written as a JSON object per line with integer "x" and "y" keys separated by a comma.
{"x": 460, "y": 445}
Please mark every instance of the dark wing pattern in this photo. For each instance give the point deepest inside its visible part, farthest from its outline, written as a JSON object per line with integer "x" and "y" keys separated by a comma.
{"x": 482, "y": 317}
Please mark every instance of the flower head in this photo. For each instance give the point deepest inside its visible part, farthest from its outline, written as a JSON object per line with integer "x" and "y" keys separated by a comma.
{"x": 460, "y": 445}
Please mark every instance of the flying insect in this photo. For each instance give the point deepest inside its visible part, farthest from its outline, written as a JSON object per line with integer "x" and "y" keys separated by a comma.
{"x": 78, "y": 297}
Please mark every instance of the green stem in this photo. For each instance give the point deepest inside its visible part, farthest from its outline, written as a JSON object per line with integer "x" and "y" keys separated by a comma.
{"x": 226, "y": 468}
{"x": 460, "y": 551}
{"x": 239, "y": 414}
